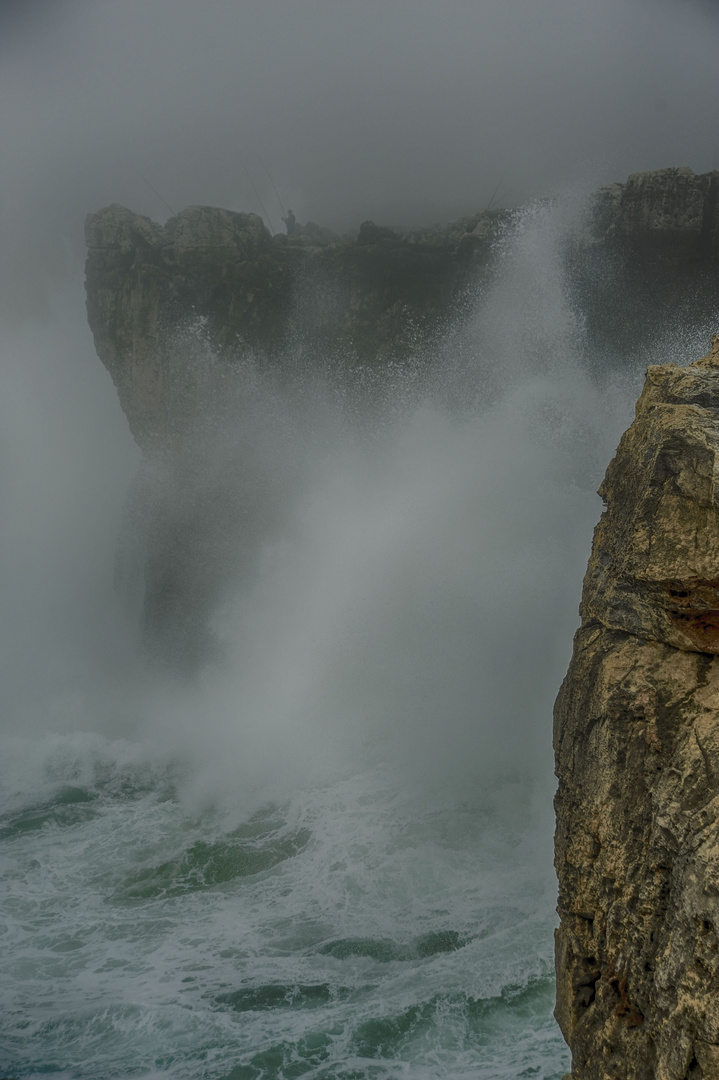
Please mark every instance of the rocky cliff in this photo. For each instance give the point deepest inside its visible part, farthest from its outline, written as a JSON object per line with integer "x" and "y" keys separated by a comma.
{"x": 647, "y": 257}
{"x": 650, "y": 258}
{"x": 203, "y": 324}
{"x": 177, "y": 311}
{"x": 305, "y": 299}
{"x": 637, "y": 753}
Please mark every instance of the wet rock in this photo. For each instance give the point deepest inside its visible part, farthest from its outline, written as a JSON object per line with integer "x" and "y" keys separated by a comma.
{"x": 177, "y": 311}
{"x": 637, "y": 754}
{"x": 220, "y": 274}
{"x": 654, "y": 569}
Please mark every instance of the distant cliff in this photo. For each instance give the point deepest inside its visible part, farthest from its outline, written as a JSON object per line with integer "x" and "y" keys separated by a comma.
{"x": 649, "y": 254}
{"x": 303, "y": 299}
{"x": 178, "y": 311}
{"x": 650, "y": 259}
{"x": 637, "y": 753}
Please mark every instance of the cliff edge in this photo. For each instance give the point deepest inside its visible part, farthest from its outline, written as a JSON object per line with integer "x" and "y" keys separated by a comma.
{"x": 645, "y": 259}
{"x": 637, "y": 753}
{"x": 369, "y": 299}
{"x": 189, "y": 315}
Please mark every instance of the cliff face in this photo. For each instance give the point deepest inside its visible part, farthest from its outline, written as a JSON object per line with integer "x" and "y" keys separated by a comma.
{"x": 672, "y": 209}
{"x": 193, "y": 320}
{"x": 180, "y": 313}
{"x": 637, "y": 753}
{"x": 648, "y": 257}
{"x": 301, "y": 299}
{"x": 145, "y": 284}
{"x": 652, "y": 259}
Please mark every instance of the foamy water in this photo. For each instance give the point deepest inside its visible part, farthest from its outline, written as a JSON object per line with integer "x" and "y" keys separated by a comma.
{"x": 353, "y": 931}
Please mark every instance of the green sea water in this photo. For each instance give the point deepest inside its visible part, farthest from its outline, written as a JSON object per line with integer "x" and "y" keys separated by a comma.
{"x": 354, "y": 931}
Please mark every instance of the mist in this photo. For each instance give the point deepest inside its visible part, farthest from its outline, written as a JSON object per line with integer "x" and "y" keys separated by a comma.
{"x": 396, "y": 112}
{"x": 347, "y": 804}
{"x": 399, "y": 112}
{"x": 66, "y": 461}
{"x": 400, "y": 585}
{"x": 350, "y": 800}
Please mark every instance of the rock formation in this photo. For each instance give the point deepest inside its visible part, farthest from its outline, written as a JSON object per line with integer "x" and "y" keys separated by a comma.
{"x": 177, "y": 310}
{"x": 672, "y": 209}
{"x": 299, "y": 299}
{"x": 637, "y": 753}
{"x": 189, "y": 317}
{"x": 651, "y": 258}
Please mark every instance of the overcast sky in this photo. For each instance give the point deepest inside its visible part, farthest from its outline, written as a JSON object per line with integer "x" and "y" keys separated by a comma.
{"x": 405, "y": 111}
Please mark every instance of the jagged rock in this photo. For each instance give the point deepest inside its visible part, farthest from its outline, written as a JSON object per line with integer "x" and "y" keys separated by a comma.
{"x": 637, "y": 754}
{"x": 669, "y": 205}
{"x": 370, "y": 300}
{"x": 177, "y": 310}
{"x": 654, "y": 569}
{"x": 651, "y": 259}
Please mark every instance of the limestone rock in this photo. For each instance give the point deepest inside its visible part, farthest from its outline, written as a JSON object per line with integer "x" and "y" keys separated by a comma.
{"x": 651, "y": 259}
{"x": 371, "y": 299}
{"x": 637, "y": 755}
{"x": 654, "y": 569}
{"x": 673, "y": 204}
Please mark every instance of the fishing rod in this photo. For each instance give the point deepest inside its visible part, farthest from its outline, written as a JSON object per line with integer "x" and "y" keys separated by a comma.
{"x": 274, "y": 186}
{"x": 154, "y": 189}
{"x": 494, "y": 193}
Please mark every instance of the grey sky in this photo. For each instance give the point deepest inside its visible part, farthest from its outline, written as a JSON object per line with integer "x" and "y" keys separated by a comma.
{"x": 405, "y": 111}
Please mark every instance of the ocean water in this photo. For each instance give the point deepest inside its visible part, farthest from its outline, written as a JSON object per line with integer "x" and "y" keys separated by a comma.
{"x": 353, "y": 931}
{"x": 328, "y": 853}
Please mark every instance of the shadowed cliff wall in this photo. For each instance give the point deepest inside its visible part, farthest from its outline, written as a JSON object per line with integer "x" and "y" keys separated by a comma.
{"x": 184, "y": 317}
{"x": 301, "y": 300}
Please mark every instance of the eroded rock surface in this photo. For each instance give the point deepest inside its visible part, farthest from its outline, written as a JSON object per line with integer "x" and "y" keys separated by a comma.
{"x": 637, "y": 754}
{"x": 189, "y": 317}
{"x": 285, "y": 300}
{"x": 647, "y": 259}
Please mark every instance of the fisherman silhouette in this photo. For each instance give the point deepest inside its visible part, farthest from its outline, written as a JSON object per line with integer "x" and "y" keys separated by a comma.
{"x": 290, "y": 222}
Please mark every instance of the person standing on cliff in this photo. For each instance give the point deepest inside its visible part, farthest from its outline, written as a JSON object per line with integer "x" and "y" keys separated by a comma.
{"x": 290, "y": 222}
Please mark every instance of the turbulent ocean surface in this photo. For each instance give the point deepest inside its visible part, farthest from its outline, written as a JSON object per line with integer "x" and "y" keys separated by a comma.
{"x": 329, "y": 854}
{"x": 352, "y": 931}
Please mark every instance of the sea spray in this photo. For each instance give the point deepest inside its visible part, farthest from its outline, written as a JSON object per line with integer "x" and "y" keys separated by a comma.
{"x": 327, "y": 852}
{"x": 412, "y": 603}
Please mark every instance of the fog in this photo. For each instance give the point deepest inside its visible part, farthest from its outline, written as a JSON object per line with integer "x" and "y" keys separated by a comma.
{"x": 405, "y": 113}
{"x": 409, "y": 580}
{"x": 401, "y": 112}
